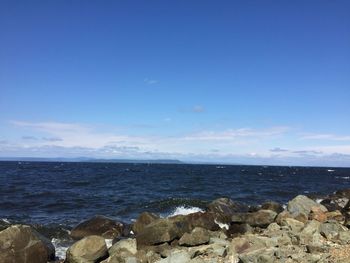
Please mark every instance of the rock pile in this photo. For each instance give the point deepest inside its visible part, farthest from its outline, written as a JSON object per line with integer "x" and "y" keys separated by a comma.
{"x": 305, "y": 231}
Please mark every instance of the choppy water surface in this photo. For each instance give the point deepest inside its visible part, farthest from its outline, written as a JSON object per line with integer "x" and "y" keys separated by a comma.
{"x": 66, "y": 193}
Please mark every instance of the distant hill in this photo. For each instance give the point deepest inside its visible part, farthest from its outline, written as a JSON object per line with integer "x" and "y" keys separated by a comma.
{"x": 86, "y": 159}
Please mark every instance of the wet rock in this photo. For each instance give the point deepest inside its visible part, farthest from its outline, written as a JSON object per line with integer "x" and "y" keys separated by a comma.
{"x": 224, "y": 208}
{"x": 302, "y": 205}
{"x": 87, "y": 250}
{"x": 198, "y": 236}
{"x": 274, "y": 206}
{"x": 143, "y": 220}
{"x": 21, "y": 243}
{"x": 98, "y": 225}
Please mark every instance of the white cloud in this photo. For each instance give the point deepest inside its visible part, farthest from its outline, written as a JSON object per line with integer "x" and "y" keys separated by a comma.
{"x": 243, "y": 145}
{"x": 150, "y": 81}
{"x": 332, "y": 137}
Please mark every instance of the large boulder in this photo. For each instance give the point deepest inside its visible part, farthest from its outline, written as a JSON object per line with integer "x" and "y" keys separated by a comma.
{"x": 162, "y": 230}
{"x": 205, "y": 220}
{"x": 98, "y": 225}
{"x": 224, "y": 208}
{"x": 21, "y": 243}
{"x": 90, "y": 249}
{"x": 198, "y": 236}
{"x": 128, "y": 244}
{"x": 261, "y": 218}
{"x": 301, "y": 204}
{"x": 143, "y": 220}
{"x": 271, "y": 205}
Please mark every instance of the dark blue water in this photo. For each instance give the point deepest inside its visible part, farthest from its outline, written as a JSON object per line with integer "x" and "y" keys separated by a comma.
{"x": 66, "y": 193}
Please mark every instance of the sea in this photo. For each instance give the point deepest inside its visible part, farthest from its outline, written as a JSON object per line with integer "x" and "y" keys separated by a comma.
{"x": 55, "y": 196}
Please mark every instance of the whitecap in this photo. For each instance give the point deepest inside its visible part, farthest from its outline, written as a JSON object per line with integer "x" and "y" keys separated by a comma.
{"x": 185, "y": 210}
{"x": 6, "y": 220}
{"x": 319, "y": 200}
{"x": 60, "y": 248}
{"x": 222, "y": 225}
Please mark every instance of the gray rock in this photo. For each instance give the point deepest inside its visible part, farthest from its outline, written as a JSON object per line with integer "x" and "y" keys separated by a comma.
{"x": 87, "y": 250}
{"x": 179, "y": 256}
{"x": 310, "y": 235}
{"x": 198, "y": 236}
{"x": 294, "y": 225}
{"x": 211, "y": 250}
{"x": 261, "y": 218}
{"x": 302, "y": 205}
{"x": 21, "y": 243}
{"x": 335, "y": 232}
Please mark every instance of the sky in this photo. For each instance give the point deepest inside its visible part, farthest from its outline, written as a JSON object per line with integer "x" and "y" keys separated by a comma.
{"x": 248, "y": 82}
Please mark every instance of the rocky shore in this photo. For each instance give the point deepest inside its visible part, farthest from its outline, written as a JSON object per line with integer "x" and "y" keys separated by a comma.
{"x": 304, "y": 230}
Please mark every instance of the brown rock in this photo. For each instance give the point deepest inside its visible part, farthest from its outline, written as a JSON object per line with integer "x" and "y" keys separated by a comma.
{"x": 98, "y": 225}
{"x": 21, "y": 243}
{"x": 143, "y": 220}
{"x": 318, "y": 214}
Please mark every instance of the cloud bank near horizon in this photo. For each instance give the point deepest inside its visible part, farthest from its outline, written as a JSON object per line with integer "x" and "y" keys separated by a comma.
{"x": 242, "y": 145}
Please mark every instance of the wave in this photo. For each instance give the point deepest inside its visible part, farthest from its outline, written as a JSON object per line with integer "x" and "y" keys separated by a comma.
{"x": 185, "y": 210}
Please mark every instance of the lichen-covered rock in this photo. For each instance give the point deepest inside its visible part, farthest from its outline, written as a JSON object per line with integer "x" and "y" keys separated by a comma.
{"x": 87, "y": 250}
{"x": 98, "y": 225}
{"x": 22, "y": 244}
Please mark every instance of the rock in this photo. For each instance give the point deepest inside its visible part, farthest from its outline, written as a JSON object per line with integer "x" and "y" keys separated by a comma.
{"x": 143, "y": 220}
{"x": 318, "y": 214}
{"x": 335, "y": 231}
{"x": 343, "y": 193}
{"x": 198, "y": 236}
{"x": 179, "y": 256}
{"x": 264, "y": 255}
{"x": 123, "y": 256}
{"x": 205, "y": 220}
{"x": 336, "y": 216}
{"x": 237, "y": 229}
{"x": 224, "y": 208}
{"x": 310, "y": 235}
{"x": 162, "y": 230}
{"x": 294, "y": 225}
{"x": 98, "y": 225}
{"x": 262, "y": 218}
{"x": 128, "y": 244}
{"x": 21, "y": 243}
{"x": 87, "y": 250}
{"x": 273, "y": 206}
{"x": 302, "y": 205}
{"x": 211, "y": 250}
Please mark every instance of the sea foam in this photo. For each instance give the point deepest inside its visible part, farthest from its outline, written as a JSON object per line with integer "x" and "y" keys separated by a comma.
{"x": 185, "y": 210}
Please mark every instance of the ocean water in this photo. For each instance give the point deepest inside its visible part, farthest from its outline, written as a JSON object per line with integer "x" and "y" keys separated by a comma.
{"x": 56, "y": 196}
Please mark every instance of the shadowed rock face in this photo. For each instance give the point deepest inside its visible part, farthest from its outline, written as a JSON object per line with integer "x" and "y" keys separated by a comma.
{"x": 224, "y": 208}
{"x": 98, "y": 225}
{"x": 21, "y": 243}
{"x": 143, "y": 220}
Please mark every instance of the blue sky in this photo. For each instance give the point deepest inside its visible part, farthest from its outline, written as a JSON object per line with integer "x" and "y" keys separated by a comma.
{"x": 256, "y": 82}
